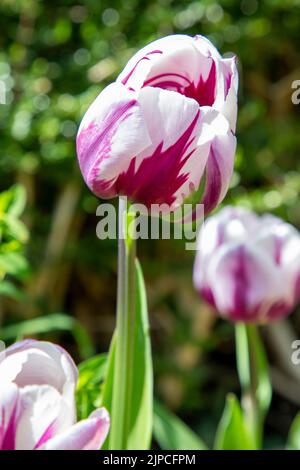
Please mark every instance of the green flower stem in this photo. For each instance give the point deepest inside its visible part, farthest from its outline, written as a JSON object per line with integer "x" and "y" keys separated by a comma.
{"x": 123, "y": 373}
{"x": 248, "y": 355}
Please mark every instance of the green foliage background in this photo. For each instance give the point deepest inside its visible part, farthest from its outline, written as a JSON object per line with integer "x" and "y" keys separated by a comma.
{"x": 55, "y": 57}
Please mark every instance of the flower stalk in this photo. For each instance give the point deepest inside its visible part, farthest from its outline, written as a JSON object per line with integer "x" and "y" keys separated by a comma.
{"x": 254, "y": 379}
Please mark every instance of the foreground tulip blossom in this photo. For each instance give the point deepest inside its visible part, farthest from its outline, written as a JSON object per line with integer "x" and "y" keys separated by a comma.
{"x": 37, "y": 403}
{"x": 248, "y": 267}
{"x": 168, "y": 118}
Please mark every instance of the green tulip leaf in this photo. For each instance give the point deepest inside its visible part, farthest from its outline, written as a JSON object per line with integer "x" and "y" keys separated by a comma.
{"x": 140, "y": 401}
{"x": 293, "y": 442}
{"x": 171, "y": 433}
{"x": 232, "y": 432}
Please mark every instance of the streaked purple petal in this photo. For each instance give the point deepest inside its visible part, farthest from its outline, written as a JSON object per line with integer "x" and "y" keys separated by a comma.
{"x": 231, "y": 224}
{"x": 159, "y": 174}
{"x": 245, "y": 285}
{"x": 219, "y": 165}
{"x": 40, "y": 363}
{"x": 88, "y": 434}
{"x": 173, "y": 63}
{"x": 229, "y": 107}
{"x": 44, "y": 412}
{"x": 9, "y": 411}
{"x": 111, "y": 133}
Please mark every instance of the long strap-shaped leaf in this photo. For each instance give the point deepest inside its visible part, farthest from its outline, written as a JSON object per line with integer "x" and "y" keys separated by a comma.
{"x": 173, "y": 434}
{"x": 140, "y": 400}
{"x": 232, "y": 432}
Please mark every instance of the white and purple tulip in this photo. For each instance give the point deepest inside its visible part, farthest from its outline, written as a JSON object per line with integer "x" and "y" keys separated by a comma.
{"x": 248, "y": 267}
{"x": 37, "y": 401}
{"x": 168, "y": 118}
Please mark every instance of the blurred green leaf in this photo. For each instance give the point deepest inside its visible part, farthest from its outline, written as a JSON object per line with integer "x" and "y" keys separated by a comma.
{"x": 232, "y": 432}
{"x": 8, "y": 289}
{"x": 91, "y": 375}
{"x": 107, "y": 391}
{"x": 56, "y": 321}
{"x": 92, "y": 371}
{"x": 13, "y": 233}
{"x": 142, "y": 399}
{"x": 293, "y": 441}
{"x": 171, "y": 433}
{"x": 13, "y": 263}
{"x": 15, "y": 228}
{"x": 13, "y": 201}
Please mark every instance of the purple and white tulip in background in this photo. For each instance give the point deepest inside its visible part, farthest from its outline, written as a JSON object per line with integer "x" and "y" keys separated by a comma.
{"x": 248, "y": 267}
{"x": 168, "y": 118}
{"x": 37, "y": 401}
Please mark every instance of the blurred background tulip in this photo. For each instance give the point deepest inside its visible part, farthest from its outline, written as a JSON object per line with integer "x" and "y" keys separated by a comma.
{"x": 37, "y": 401}
{"x": 247, "y": 266}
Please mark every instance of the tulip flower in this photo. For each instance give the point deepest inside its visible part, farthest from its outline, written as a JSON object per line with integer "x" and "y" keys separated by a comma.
{"x": 37, "y": 404}
{"x": 248, "y": 267}
{"x": 167, "y": 120}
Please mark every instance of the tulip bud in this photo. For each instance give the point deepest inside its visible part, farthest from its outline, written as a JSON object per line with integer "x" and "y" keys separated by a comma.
{"x": 37, "y": 401}
{"x": 248, "y": 267}
{"x": 168, "y": 118}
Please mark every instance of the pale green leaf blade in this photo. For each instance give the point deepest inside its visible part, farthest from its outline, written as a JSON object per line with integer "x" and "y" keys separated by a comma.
{"x": 13, "y": 200}
{"x": 232, "y": 433}
{"x": 91, "y": 375}
{"x": 108, "y": 383}
{"x": 171, "y": 433}
{"x": 8, "y": 289}
{"x": 142, "y": 400}
{"x": 53, "y": 322}
{"x": 293, "y": 442}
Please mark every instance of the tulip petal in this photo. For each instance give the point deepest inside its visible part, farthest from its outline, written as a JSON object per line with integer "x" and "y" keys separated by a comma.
{"x": 247, "y": 267}
{"x": 220, "y": 161}
{"x": 244, "y": 283}
{"x": 189, "y": 66}
{"x": 9, "y": 400}
{"x": 33, "y": 362}
{"x": 156, "y": 174}
{"x": 111, "y": 132}
{"x": 231, "y": 224}
{"x": 169, "y": 169}
{"x": 281, "y": 242}
{"x": 229, "y": 107}
{"x": 289, "y": 246}
{"x": 88, "y": 434}
{"x": 44, "y": 413}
